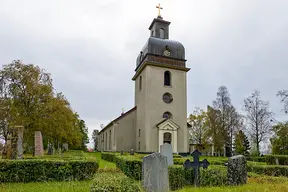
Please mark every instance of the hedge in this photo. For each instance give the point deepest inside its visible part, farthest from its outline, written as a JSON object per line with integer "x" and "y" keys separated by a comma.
{"x": 256, "y": 159}
{"x": 178, "y": 176}
{"x": 270, "y": 170}
{"x": 131, "y": 166}
{"x": 105, "y": 182}
{"x": 108, "y": 156}
{"x": 180, "y": 161}
{"x": 212, "y": 176}
{"x": 35, "y": 170}
{"x": 271, "y": 159}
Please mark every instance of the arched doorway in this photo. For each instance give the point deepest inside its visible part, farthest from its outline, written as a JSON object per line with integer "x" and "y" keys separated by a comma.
{"x": 167, "y": 138}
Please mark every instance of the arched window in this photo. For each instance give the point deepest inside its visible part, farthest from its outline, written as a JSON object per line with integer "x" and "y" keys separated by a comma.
{"x": 140, "y": 82}
{"x": 162, "y": 33}
{"x": 167, "y": 115}
{"x": 167, "y": 78}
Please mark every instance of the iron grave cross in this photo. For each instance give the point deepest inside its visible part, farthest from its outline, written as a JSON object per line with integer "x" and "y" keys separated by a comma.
{"x": 159, "y": 8}
{"x": 196, "y": 164}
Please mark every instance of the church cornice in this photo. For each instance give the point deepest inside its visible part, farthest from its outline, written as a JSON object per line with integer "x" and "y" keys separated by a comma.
{"x": 167, "y": 66}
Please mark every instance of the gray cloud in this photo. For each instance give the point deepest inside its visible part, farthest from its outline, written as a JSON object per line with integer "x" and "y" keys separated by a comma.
{"x": 90, "y": 48}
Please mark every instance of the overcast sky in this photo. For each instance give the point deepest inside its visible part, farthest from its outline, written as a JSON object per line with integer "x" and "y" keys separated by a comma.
{"x": 90, "y": 48}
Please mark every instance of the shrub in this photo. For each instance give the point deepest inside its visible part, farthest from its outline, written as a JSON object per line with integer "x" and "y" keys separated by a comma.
{"x": 108, "y": 156}
{"x": 106, "y": 182}
{"x": 271, "y": 159}
{"x": 180, "y": 177}
{"x": 256, "y": 159}
{"x": 130, "y": 165}
{"x": 177, "y": 156}
{"x": 35, "y": 170}
{"x": 180, "y": 161}
{"x": 270, "y": 170}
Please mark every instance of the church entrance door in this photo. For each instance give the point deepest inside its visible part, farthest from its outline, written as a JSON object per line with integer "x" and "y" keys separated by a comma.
{"x": 167, "y": 138}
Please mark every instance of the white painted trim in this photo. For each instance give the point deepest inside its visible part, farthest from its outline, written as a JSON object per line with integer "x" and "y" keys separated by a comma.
{"x": 168, "y": 126}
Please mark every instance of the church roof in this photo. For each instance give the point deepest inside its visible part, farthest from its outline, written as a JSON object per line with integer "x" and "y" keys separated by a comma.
{"x": 118, "y": 118}
{"x": 156, "y": 46}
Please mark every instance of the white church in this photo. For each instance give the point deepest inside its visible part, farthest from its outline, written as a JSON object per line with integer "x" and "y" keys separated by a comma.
{"x": 160, "y": 112}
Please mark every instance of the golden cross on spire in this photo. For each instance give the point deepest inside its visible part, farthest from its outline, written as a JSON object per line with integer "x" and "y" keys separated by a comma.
{"x": 159, "y": 8}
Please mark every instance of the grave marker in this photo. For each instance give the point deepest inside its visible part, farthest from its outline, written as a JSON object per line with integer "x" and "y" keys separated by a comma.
{"x": 237, "y": 170}
{"x": 39, "y": 151}
{"x": 155, "y": 173}
{"x": 196, "y": 164}
{"x": 166, "y": 150}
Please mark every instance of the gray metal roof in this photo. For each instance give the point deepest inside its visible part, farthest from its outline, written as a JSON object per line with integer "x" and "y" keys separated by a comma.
{"x": 156, "y": 46}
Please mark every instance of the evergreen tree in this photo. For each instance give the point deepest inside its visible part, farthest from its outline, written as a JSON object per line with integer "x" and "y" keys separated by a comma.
{"x": 241, "y": 144}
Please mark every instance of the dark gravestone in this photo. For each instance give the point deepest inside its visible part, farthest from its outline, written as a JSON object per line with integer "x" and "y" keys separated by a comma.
{"x": 132, "y": 152}
{"x": 122, "y": 152}
{"x": 50, "y": 149}
{"x": 155, "y": 173}
{"x": 196, "y": 164}
{"x": 237, "y": 170}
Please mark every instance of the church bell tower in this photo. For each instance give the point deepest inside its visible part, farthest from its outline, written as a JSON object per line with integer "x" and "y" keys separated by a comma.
{"x": 161, "y": 91}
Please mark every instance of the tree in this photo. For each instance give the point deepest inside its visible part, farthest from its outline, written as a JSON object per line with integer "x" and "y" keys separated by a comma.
{"x": 199, "y": 129}
{"x": 280, "y": 140}
{"x": 27, "y": 98}
{"x": 95, "y": 139}
{"x": 258, "y": 117}
{"x": 284, "y": 99}
{"x": 229, "y": 118}
{"x": 241, "y": 143}
{"x": 214, "y": 131}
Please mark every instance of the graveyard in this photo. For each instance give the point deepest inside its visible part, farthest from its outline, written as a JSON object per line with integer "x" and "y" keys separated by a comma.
{"x": 76, "y": 170}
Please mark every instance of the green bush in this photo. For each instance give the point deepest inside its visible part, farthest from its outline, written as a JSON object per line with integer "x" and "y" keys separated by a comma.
{"x": 108, "y": 156}
{"x": 180, "y": 161}
{"x": 130, "y": 165}
{"x": 256, "y": 159}
{"x": 114, "y": 182}
{"x": 271, "y": 159}
{"x": 270, "y": 170}
{"x": 35, "y": 170}
{"x": 177, "y": 156}
{"x": 180, "y": 177}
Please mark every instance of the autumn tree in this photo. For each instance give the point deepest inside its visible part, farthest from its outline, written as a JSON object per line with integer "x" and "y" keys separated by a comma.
{"x": 229, "y": 118}
{"x": 258, "y": 117}
{"x": 241, "y": 143}
{"x": 279, "y": 141}
{"x": 27, "y": 98}
{"x": 214, "y": 131}
{"x": 199, "y": 130}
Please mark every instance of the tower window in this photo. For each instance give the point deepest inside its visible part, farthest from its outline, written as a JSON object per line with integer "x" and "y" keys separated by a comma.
{"x": 162, "y": 33}
{"x": 140, "y": 82}
{"x": 167, "y": 78}
{"x": 139, "y": 132}
{"x": 167, "y": 115}
{"x": 138, "y": 146}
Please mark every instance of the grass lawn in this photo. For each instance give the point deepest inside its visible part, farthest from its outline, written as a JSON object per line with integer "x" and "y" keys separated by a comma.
{"x": 102, "y": 163}
{"x": 257, "y": 184}
{"x": 82, "y": 186}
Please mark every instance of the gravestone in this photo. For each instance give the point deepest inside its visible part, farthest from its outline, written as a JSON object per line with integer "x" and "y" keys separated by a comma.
{"x": 166, "y": 150}
{"x": 196, "y": 164}
{"x": 155, "y": 173}
{"x": 65, "y": 146}
{"x": 237, "y": 170}
{"x": 277, "y": 161}
{"x": 122, "y": 152}
{"x": 39, "y": 151}
{"x": 50, "y": 149}
{"x": 132, "y": 152}
{"x": 20, "y": 130}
